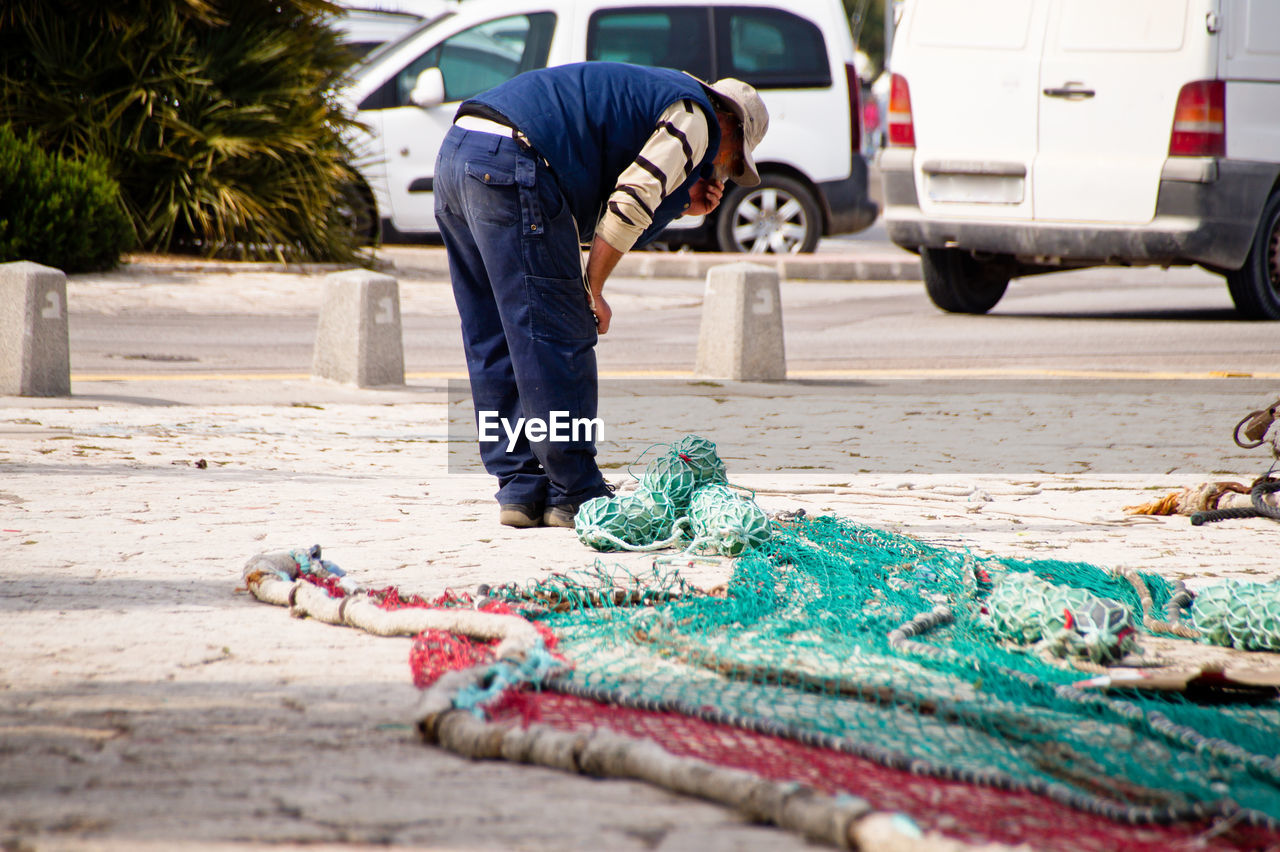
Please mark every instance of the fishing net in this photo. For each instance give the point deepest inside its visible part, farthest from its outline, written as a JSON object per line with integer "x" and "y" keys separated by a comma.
{"x": 919, "y": 678}
{"x": 891, "y": 648}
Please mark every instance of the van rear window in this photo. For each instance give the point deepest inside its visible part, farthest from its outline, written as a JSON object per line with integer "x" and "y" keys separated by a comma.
{"x": 1133, "y": 26}
{"x": 1261, "y": 23}
{"x": 980, "y": 24}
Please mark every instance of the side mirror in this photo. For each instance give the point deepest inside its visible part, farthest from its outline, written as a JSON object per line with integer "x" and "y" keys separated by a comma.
{"x": 428, "y": 91}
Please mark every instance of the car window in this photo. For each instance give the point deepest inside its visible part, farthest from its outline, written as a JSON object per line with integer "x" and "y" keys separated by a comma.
{"x": 360, "y": 50}
{"x": 770, "y": 49}
{"x": 662, "y": 36}
{"x": 483, "y": 56}
{"x": 389, "y": 46}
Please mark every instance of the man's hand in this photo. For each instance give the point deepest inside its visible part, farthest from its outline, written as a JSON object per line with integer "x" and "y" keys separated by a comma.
{"x": 604, "y": 313}
{"x": 600, "y": 262}
{"x": 704, "y": 197}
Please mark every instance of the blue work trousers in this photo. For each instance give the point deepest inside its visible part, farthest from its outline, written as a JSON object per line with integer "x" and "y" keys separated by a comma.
{"x": 527, "y": 325}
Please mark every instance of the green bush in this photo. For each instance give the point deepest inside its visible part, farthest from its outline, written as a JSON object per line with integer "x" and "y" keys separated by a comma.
{"x": 219, "y": 119}
{"x": 58, "y": 212}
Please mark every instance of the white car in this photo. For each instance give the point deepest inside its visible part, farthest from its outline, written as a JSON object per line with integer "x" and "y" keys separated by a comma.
{"x": 814, "y": 176}
{"x": 1027, "y": 136}
{"x": 365, "y": 25}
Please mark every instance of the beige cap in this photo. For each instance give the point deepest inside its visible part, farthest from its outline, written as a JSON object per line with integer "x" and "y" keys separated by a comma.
{"x": 746, "y": 104}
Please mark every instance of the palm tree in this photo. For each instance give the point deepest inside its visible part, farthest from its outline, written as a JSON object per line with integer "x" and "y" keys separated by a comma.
{"x": 217, "y": 117}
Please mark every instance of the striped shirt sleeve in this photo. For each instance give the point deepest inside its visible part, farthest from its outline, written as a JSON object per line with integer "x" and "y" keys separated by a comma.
{"x": 665, "y": 162}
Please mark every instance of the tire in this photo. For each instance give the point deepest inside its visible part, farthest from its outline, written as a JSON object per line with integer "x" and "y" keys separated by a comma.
{"x": 1255, "y": 287}
{"x": 960, "y": 284}
{"x": 779, "y": 216}
{"x": 358, "y": 209}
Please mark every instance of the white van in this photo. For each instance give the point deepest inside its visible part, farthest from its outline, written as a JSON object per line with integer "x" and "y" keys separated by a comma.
{"x": 1028, "y": 136}
{"x": 814, "y": 176}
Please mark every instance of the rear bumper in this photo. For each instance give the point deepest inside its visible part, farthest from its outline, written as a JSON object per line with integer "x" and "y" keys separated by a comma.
{"x": 846, "y": 204}
{"x": 1206, "y": 213}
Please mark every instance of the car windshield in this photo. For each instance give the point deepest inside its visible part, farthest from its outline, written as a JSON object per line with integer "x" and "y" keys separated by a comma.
{"x": 378, "y": 52}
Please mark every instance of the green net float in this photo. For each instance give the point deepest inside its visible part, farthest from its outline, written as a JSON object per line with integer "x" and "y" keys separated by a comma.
{"x": 1209, "y": 611}
{"x": 1238, "y": 614}
{"x": 700, "y": 455}
{"x": 726, "y": 522}
{"x": 708, "y": 496}
{"x": 662, "y": 512}
{"x": 613, "y": 523}
{"x": 1264, "y": 620}
{"x": 601, "y": 523}
{"x": 673, "y": 477}
{"x": 1106, "y": 630}
{"x": 1024, "y": 609}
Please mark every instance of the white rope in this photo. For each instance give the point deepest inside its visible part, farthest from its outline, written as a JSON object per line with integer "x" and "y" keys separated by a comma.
{"x": 305, "y": 600}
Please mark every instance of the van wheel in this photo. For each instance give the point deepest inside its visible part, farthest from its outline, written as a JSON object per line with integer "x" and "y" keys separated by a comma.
{"x": 779, "y": 215}
{"x": 1255, "y": 287}
{"x": 959, "y": 283}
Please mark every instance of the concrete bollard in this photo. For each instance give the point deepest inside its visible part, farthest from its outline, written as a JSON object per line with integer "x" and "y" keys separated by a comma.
{"x": 35, "y": 354}
{"x": 358, "y": 341}
{"x": 741, "y": 334}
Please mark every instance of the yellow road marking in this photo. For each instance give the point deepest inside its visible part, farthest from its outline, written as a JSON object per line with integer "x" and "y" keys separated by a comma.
{"x": 187, "y": 377}
{"x": 884, "y": 373}
{"x": 965, "y": 373}
{"x": 1033, "y": 372}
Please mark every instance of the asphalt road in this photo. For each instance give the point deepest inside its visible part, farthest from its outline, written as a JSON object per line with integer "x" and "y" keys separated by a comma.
{"x": 1145, "y": 321}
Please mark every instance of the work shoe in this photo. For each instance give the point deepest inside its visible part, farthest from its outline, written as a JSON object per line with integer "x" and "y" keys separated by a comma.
{"x": 560, "y": 516}
{"x": 563, "y": 514}
{"x": 522, "y": 515}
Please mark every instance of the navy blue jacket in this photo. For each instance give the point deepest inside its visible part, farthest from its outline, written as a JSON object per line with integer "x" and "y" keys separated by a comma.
{"x": 590, "y": 120}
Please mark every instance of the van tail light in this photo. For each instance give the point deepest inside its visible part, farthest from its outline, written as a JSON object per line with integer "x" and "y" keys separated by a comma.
{"x": 902, "y": 130}
{"x": 855, "y": 106}
{"x": 1200, "y": 120}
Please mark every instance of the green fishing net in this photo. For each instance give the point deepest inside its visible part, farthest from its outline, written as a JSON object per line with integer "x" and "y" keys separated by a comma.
{"x": 1246, "y": 615}
{"x": 683, "y": 500}
{"x": 928, "y": 658}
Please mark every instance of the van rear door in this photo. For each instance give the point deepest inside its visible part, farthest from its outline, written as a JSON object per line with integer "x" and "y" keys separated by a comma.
{"x": 1109, "y": 81}
{"x": 973, "y": 68}
{"x": 1251, "y": 66}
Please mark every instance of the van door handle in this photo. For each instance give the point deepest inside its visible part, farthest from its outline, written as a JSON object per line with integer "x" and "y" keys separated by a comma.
{"x": 1070, "y": 90}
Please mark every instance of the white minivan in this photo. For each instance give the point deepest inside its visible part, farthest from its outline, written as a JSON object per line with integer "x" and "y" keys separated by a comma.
{"x": 1027, "y": 136}
{"x": 799, "y": 56}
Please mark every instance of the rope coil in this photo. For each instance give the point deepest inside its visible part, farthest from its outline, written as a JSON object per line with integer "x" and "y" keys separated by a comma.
{"x": 1260, "y": 508}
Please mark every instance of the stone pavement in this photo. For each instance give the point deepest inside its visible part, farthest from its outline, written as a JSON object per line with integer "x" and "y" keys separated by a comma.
{"x": 145, "y": 704}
